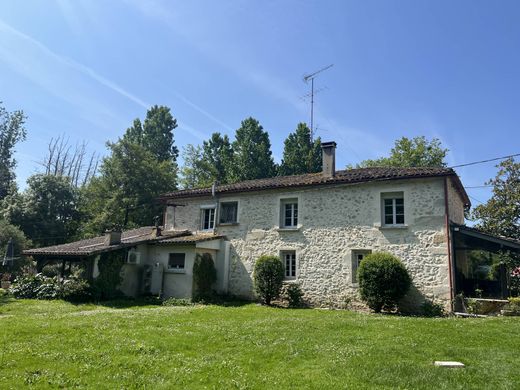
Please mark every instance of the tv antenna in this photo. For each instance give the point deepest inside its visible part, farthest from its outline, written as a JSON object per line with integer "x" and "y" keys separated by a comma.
{"x": 311, "y": 77}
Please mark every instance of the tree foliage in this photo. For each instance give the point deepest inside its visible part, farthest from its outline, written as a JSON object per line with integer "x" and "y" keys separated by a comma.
{"x": 268, "y": 278}
{"x": 252, "y": 153}
{"x": 383, "y": 280}
{"x": 12, "y": 131}
{"x": 125, "y": 192}
{"x": 47, "y": 210}
{"x": 415, "y": 152}
{"x": 218, "y": 153}
{"x": 155, "y": 134}
{"x": 500, "y": 215}
{"x": 301, "y": 154}
{"x": 207, "y": 164}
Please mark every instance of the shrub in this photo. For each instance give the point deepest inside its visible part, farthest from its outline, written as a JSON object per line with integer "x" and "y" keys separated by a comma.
{"x": 432, "y": 309}
{"x": 268, "y": 278}
{"x": 26, "y": 286}
{"x": 514, "y": 305}
{"x": 2, "y": 292}
{"x": 177, "y": 302}
{"x": 383, "y": 280}
{"x": 106, "y": 285}
{"x": 294, "y": 295}
{"x": 204, "y": 275}
{"x": 41, "y": 287}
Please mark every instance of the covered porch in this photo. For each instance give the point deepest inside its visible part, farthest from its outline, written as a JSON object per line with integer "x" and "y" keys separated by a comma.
{"x": 480, "y": 263}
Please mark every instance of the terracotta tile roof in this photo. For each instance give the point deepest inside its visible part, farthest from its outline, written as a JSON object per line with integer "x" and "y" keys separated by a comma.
{"x": 197, "y": 237}
{"x": 348, "y": 176}
{"x": 96, "y": 245}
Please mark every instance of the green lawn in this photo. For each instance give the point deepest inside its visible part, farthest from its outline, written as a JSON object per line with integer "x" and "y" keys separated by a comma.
{"x": 56, "y": 344}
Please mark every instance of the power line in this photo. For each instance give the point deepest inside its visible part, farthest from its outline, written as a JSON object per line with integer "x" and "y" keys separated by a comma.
{"x": 485, "y": 161}
{"x": 475, "y": 199}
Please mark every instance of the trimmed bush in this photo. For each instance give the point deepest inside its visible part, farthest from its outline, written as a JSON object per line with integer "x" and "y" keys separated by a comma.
{"x": 204, "y": 275}
{"x": 432, "y": 309}
{"x": 106, "y": 285}
{"x": 294, "y": 295}
{"x": 383, "y": 280}
{"x": 268, "y": 278}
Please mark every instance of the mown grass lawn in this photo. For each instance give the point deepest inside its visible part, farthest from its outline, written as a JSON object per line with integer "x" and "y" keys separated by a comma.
{"x": 57, "y": 344}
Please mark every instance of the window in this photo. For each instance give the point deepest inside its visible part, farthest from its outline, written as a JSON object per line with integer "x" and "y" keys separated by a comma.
{"x": 289, "y": 261}
{"x": 357, "y": 257}
{"x": 228, "y": 212}
{"x": 176, "y": 261}
{"x": 208, "y": 218}
{"x": 289, "y": 213}
{"x": 393, "y": 209}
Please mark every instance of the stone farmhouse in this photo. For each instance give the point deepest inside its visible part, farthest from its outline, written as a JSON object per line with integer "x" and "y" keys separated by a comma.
{"x": 321, "y": 225}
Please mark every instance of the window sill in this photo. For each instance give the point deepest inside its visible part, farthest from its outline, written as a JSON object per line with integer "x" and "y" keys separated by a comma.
{"x": 228, "y": 224}
{"x": 289, "y": 229}
{"x": 393, "y": 227}
{"x": 290, "y": 281}
{"x": 175, "y": 271}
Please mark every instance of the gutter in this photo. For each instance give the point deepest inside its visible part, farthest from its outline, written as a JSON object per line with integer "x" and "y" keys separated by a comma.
{"x": 448, "y": 240}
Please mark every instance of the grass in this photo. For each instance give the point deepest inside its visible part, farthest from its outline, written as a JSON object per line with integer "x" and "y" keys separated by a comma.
{"x": 53, "y": 344}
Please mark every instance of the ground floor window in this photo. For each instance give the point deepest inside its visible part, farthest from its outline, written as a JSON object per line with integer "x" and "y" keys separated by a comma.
{"x": 289, "y": 261}
{"x": 357, "y": 258}
{"x": 176, "y": 261}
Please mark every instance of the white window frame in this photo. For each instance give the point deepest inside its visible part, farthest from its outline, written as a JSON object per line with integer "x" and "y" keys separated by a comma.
{"x": 293, "y": 265}
{"x": 356, "y": 260}
{"x": 220, "y": 211}
{"x": 295, "y": 220}
{"x": 211, "y": 224}
{"x": 176, "y": 269}
{"x": 393, "y": 196}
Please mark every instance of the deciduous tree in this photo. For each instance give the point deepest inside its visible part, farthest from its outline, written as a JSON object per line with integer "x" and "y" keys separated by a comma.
{"x": 12, "y": 131}
{"x": 415, "y": 152}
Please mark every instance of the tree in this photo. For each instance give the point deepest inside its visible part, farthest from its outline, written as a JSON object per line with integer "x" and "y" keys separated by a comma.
{"x": 252, "y": 153}
{"x": 12, "y": 131}
{"x": 47, "y": 210}
{"x": 155, "y": 134}
{"x": 196, "y": 171}
{"x": 124, "y": 193}
{"x": 415, "y": 152}
{"x": 500, "y": 215}
{"x": 20, "y": 242}
{"x": 204, "y": 276}
{"x": 301, "y": 154}
{"x": 208, "y": 164}
{"x": 218, "y": 153}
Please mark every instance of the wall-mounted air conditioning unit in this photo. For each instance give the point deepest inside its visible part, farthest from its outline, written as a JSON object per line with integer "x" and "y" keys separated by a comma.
{"x": 133, "y": 257}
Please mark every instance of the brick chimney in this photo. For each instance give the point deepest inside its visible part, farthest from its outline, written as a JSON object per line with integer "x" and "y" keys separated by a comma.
{"x": 329, "y": 158}
{"x": 112, "y": 237}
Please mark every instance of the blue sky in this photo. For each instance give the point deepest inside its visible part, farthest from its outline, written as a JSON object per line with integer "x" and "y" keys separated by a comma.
{"x": 446, "y": 69}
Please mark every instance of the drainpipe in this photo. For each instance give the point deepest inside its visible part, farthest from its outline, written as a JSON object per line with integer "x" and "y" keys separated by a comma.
{"x": 448, "y": 240}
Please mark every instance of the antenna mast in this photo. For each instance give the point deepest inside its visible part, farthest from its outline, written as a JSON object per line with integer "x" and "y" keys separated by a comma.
{"x": 306, "y": 79}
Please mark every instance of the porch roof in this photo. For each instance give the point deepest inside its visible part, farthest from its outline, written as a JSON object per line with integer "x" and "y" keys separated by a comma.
{"x": 142, "y": 235}
{"x": 472, "y": 238}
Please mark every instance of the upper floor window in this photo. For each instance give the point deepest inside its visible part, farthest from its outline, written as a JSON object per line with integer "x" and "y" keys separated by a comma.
{"x": 289, "y": 261}
{"x": 208, "y": 218}
{"x": 393, "y": 209}
{"x": 289, "y": 213}
{"x": 228, "y": 212}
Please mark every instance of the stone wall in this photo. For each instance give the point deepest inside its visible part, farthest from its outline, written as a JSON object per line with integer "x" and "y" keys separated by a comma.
{"x": 333, "y": 222}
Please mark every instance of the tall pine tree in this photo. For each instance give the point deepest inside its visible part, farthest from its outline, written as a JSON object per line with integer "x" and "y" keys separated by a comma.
{"x": 301, "y": 154}
{"x": 252, "y": 153}
{"x": 218, "y": 153}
